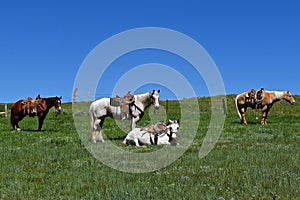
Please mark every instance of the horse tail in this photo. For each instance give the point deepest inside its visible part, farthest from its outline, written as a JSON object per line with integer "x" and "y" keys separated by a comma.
{"x": 12, "y": 125}
{"x": 236, "y": 105}
{"x": 92, "y": 117}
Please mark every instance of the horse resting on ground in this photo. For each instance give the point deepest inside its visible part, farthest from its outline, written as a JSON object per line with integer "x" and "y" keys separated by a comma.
{"x": 33, "y": 107}
{"x": 106, "y": 107}
{"x": 158, "y": 134}
{"x": 260, "y": 100}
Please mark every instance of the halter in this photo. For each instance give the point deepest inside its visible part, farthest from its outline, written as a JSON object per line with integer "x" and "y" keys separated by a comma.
{"x": 158, "y": 132}
{"x": 156, "y": 135}
{"x": 170, "y": 135}
{"x": 151, "y": 100}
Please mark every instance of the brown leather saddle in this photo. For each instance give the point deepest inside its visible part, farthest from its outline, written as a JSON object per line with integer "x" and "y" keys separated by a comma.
{"x": 254, "y": 98}
{"x": 124, "y": 102}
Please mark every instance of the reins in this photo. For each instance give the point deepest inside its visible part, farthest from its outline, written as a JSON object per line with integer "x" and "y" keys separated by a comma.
{"x": 139, "y": 109}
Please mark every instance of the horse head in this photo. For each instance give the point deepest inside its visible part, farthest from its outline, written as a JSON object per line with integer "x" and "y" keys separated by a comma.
{"x": 155, "y": 98}
{"x": 57, "y": 104}
{"x": 173, "y": 130}
{"x": 288, "y": 97}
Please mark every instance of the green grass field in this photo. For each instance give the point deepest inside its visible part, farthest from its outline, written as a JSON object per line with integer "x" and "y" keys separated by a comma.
{"x": 248, "y": 162}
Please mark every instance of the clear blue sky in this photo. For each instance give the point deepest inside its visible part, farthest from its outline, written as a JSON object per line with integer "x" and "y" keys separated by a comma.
{"x": 43, "y": 43}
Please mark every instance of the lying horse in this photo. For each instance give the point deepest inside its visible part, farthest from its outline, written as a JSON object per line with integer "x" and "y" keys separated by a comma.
{"x": 160, "y": 134}
{"x": 102, "y": 108}
{"x": 265, "y": 101}
{"x": 38, "y": 107}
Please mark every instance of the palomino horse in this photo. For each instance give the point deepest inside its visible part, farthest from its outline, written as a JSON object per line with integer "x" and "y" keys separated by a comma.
{"x": 38, "y": 107}
{"x": 265, "y": 102}
{"x": 102, "y": 108}
{"x": 161, "y": 134}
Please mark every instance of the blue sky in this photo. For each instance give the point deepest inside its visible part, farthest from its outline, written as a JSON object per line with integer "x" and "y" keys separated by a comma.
{"x": 43, "y": 43}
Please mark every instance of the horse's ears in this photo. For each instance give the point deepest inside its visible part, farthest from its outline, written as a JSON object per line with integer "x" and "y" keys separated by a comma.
{"x": 158, "y": 91}
{"x": 288, "y": 92}
{"x": 177, "y": 121}
{"x": 60, "y": 97}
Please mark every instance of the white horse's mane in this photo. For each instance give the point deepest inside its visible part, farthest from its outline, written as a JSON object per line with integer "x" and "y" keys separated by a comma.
{"x": 143, "y": 97}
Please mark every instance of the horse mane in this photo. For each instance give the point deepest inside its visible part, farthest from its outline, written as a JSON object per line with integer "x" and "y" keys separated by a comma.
{"x": 56, "y": 97}
{"x": 277, "y": 94}
{"x": 143, "y": 97}
{"x": 50, "y": 98}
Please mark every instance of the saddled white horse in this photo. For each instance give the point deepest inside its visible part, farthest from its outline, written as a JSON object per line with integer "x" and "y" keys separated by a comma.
{"x": 101, "y": 108}
{"x": 167, "y": 136}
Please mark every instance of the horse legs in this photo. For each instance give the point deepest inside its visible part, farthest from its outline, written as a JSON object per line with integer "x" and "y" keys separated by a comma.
{"x": 15, "y": 125}
{"x": 134, "y": 121}
{"x": 264, "y": 116}
{"x": 41, "y": 121}
{"x": 12, "y": 123}
{"x": 97, "y": 130}
{"x": 242, "y": 111}
{"x": 15, "y": 122}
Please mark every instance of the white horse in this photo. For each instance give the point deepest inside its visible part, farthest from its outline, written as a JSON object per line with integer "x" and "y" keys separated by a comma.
{"x": 142, "y": 136}
{"x": 101, "y": 108}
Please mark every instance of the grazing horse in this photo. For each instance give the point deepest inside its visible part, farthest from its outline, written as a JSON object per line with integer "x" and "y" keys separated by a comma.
{"x": 265, "y": 102}
{"x": 102, "y": 108}
{"x": 160, "y": 134}
{"x": 38, "y": 107}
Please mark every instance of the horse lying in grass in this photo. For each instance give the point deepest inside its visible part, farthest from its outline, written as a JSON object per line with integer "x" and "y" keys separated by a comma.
{"x": 260, "y": 100}
{"x": 158, "y": 134}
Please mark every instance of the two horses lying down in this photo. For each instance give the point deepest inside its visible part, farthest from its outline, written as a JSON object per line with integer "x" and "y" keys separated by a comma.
{"x": 158, "y": 134}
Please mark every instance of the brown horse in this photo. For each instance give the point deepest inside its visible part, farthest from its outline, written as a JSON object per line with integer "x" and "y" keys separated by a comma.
{"x": 38, "y": 107}
{"x": 260, "y": 100}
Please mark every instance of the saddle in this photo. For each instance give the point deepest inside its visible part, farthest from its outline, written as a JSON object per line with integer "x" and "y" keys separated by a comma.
{"x": 29, "y": 106}
{"x": 255, "y": 98}
{"x": 124, "y": 102}
{"x": 157, "y": 128}
{"x": 250, "y": 98}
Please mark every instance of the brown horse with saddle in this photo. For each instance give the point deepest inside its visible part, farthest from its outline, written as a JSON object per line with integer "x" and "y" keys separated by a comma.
{"x": 260, "y": 99}
{"x": 33, "y": 107}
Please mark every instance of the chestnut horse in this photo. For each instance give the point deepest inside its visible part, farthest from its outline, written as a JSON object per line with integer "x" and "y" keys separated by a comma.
{"x": 38, "y": 107}
{"x": 265, "y": 102}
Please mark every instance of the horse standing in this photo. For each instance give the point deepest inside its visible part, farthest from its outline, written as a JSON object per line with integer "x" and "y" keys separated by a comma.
{"x": 38, "y": 107}
{"x": 268, "y": 98}
{"x": 101, "y": 108}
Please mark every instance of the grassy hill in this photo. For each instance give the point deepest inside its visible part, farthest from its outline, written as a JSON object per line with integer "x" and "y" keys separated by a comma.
{"x": 248, "y": 162}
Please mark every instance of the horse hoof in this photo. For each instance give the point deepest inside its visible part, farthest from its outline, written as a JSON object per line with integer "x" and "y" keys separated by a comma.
{"x": 18, "y": 129}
